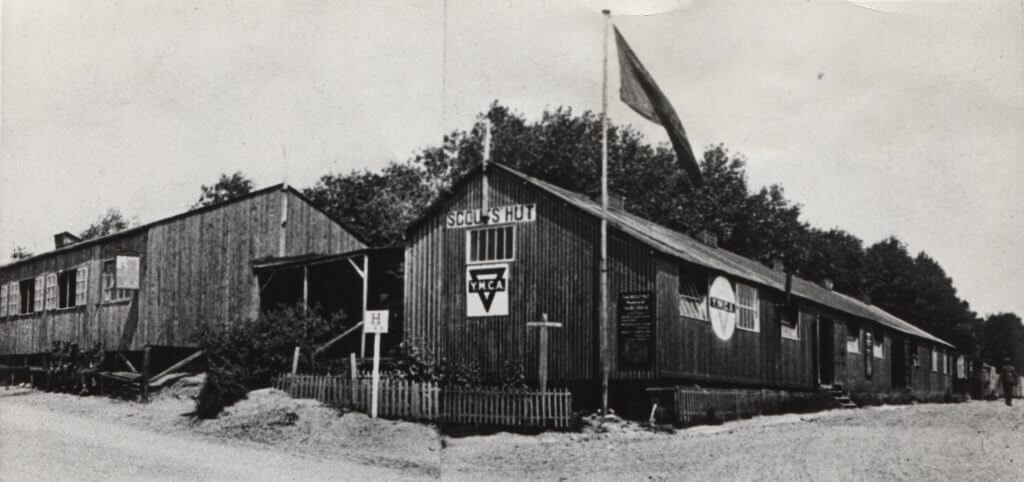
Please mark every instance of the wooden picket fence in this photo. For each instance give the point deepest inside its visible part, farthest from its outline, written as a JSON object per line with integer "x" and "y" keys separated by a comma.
{"x": 487, "y": 406}
{"x": 426, "y": 401}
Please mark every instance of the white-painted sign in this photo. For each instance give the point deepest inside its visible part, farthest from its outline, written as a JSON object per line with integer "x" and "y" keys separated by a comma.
{"x": 722, "y": 308}
{"x": 487, "y": 287}
{"x": 376, "y": 321}
{"x": 127, "y": 274}
{"x": 516, "y": 213}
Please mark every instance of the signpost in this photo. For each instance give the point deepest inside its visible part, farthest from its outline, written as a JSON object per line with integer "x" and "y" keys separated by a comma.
{"x": 544, "y": 325}
{"x": 376, "y": 322}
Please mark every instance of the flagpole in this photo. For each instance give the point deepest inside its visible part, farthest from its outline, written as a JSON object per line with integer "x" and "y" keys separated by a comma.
{"x": 486, "y": 160}
{"x": 605, "y": 351}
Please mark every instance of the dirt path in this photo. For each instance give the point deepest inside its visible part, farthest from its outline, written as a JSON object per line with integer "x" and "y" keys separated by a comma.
{"x": 40, "y": 443}
{"x": 973, "y": 441}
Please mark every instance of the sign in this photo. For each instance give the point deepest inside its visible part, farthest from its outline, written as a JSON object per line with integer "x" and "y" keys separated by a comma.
{"x": 722, "y": 308}
{"x": 487, "y": 289}
{"x": 516, "y": 213}
{"x": 636, "y": 330}
{"x": 127, "y": 272}
{"x": 376, "y": 321}
{"x": 869, "y": 347}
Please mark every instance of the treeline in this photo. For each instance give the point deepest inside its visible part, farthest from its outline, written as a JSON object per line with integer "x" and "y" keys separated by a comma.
{"x": 563, "y": 148}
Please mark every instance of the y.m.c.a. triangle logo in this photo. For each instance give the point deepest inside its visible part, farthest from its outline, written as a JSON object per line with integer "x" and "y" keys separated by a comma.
{"x": 487, "y": 290}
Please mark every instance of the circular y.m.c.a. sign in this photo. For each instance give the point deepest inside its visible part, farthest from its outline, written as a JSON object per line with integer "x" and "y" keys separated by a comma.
{"x": 722, "y": 308}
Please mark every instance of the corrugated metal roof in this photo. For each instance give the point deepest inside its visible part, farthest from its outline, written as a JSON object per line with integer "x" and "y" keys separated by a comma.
{"x": 684, "y": 247}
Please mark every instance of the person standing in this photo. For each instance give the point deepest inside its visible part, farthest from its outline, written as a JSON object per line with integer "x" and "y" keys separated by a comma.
{"x": 1008, "y": 379}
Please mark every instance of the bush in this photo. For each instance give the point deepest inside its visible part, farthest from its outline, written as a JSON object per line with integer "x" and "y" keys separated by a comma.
{"x": 247, "y": 355}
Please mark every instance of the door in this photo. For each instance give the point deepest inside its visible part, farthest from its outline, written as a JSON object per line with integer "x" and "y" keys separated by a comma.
{"x": 899, "y": 363}
{"x": 826, "y": 351}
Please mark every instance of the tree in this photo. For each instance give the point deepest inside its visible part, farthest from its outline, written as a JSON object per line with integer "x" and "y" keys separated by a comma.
{"x": 111, "y": 222}
{"x": 226, "y": 188}
{"x": 20, "y": 252}
{"x": 1001, "y": 337}
{"x": 376, "y": 206}
{"x": 834, "y": 255}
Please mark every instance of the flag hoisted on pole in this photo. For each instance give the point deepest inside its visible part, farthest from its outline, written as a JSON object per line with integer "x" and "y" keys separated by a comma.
{"x": 639, "y": 91}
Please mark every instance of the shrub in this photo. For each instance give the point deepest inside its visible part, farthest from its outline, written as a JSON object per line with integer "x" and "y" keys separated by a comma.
{"x": 247, "y": 355}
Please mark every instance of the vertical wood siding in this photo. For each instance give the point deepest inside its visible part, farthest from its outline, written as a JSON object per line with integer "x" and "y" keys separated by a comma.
{"x": 195, "y": 271}
{"x": 554, "y": 272}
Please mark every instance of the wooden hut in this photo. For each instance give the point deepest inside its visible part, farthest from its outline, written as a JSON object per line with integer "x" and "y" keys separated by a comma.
{"x": 156, "y": 284}
{"x": 474, "y": 279}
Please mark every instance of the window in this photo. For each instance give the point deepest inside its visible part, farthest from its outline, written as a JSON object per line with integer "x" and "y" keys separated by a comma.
{"x": 67, "y": 288}
{"x": 852, "y": 338}
{"x": 40, "y": 293}
{"x": 789, "y": 321}
{"x": 749, "y": 315}
{"x": 944, "y": 361}
{"x": 490, "y": 244}
{"x": 879, "y": 347}
{"x": 3, "y": 300}
{"x": 27, "y": 292}
{"x": 51, "y": 291}
{"x": 110, "y": 292}
{"x": 693, "y": 298}
{"x": 935, "y": 360}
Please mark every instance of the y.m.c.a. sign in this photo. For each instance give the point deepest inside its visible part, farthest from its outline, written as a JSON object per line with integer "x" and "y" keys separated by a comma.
{"x": 487, "y": 289}
{"x": 516, "y": 213}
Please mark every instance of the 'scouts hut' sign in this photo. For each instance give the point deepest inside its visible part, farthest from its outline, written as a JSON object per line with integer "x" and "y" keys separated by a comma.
{"x": 516, "y": 213}
{"x": 636, "y": 330}
{"x": 490, "y": 251}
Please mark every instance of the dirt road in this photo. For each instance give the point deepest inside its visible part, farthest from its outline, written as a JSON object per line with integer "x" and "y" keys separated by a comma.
{"x": 43, "y": 444}
{"x": 46, "y": 436}
{"x": 971, "y": 441}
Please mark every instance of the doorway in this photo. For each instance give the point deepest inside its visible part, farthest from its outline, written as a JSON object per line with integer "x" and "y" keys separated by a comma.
{"x": 899, "y": 364}
{"x": 826, "y": 351}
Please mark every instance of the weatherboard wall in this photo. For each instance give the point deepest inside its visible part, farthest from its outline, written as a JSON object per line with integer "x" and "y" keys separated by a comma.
{"x": 195, "y": 271}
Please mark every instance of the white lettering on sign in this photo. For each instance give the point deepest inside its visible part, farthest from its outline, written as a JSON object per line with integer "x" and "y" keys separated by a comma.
{"x": 722, "y": 308}
{"x": 516, "y": 213}
{"x": 376, "y": 321}
{"x": 487, "y": 289}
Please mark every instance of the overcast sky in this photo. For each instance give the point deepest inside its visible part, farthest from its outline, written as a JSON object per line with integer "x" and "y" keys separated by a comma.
{"x": 901, "y": 119}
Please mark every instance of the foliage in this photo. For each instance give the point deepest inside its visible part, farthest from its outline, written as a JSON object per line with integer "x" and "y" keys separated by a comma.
{"x": 247, "y": 355}
{"x": 20, "y": 252}
{"x": 376, "y": 206}
{"x": 226, "y": 188}
{"x": 111, "y": 222}
{"x": 1002, "y": 337}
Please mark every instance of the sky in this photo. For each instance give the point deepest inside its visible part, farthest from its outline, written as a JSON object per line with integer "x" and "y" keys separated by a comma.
{"x": 902, "y": 119}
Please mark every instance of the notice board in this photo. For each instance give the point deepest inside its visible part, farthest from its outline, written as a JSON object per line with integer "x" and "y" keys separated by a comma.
{"x": 636, "y": 330}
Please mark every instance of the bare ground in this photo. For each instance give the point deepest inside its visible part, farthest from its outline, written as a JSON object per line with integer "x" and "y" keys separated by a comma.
{"x": 51, "y": 436}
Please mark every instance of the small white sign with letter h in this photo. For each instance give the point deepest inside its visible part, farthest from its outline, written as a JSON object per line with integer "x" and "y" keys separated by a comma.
{"x": 376, "y": 321}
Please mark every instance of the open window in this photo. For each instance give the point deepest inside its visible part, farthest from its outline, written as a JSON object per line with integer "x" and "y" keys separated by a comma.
{"x": 693, "y": 297}
{"x": 27, "y": 296}
{"x": 852, "y": 338}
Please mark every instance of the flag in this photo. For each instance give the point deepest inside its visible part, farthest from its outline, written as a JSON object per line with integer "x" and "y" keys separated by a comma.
{"x": 639, "y": 91}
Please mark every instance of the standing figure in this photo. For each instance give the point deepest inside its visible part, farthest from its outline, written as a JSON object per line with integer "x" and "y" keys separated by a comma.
{"x": 1008, "y": 379}
{"x": 93, "y": 360}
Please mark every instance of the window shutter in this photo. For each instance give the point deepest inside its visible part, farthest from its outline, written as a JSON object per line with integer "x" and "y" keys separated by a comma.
{"x": 14, "y": 298}
{"x": 38, "y": 297}
{"x": 3, "y": 300}
{"x": 51, "y": 291}
{"x": 81, "y": 285}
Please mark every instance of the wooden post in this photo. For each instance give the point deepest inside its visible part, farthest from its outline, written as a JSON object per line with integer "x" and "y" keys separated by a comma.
{"x": 543, "y": 325}
{"x": 305, "y": 289}
{"x": 144, "y": 380}
{"x": 603, "y": 326}
{"x": 376, "y": 375}
{"x": 352, "y": 374}
{"x": 295, "y": 360}
{"x": 366, "y": 285}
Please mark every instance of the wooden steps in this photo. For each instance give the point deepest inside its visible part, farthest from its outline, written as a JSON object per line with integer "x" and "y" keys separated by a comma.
{"x": 839, "y": 395}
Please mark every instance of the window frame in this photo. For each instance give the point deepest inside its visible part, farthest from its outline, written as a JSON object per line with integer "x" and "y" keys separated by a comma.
{"x": 755, "y": 309}
{"x": 856, "y": 342}
{"x": 26, "y": 304}
{"x": 501, "y": 228}
{"x": 50, "y": 297}
{"x": 67, "y": 289}
{"x": 107, "y": 293}
{"x": 699, "y": 307}
{"x": 935, "y": 360}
